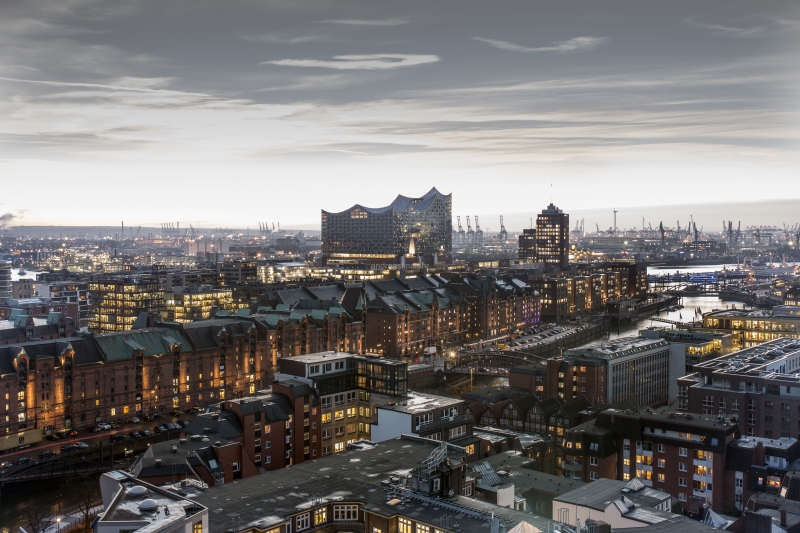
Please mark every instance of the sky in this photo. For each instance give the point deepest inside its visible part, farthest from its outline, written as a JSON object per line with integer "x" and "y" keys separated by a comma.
{"x": 230, "y": 113}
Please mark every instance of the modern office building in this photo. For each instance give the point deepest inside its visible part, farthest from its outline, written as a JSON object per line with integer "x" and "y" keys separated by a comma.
{"x": 115, "y": 304}
{"x": 5, "y": 281}
{"x": 552, "y": 237}
{"x": 66, "y": 292}
{"x": 410, "y": 227}
{"x": 185, "y": 304}
{"x": 753, "y": 327}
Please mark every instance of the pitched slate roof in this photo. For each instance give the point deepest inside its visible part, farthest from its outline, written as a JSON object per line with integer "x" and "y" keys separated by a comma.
{"x": 154, "y": 341}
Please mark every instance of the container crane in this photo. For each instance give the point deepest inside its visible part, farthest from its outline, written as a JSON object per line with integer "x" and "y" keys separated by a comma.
{"x": 503, "y": 232}
{"x": 470, "y": 232}
{"x": 461, "y": 233}
{"x": 478, "y": 231}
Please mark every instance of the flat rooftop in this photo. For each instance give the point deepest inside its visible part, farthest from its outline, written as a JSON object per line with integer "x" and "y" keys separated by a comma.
{"x": 782, "y": 443}
{"x": 139, "y": 501}
{"x": 757, "y": 359}
{"x": 418, "y": 402}
{"x": 351, "y": 476}
{"x": 617, "y": 348}
{"x": 326, "y": 357}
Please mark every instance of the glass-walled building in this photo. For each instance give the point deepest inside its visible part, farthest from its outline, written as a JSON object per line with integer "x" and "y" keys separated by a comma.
{"x": 407, "y": 226}
{"x": 186, "y": 304}
{"x": 115, "y": 304}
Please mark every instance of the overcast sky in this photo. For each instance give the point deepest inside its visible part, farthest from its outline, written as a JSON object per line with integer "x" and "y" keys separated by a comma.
{"x": 235, "y": 112}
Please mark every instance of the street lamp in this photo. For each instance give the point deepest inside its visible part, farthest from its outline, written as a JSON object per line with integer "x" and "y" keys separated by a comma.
{"x": 58, "y": 524}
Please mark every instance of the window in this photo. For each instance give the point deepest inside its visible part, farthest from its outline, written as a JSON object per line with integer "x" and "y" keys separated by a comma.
{"x": 345, "y": 512}
{"x": 593, "y": 461}
{"x": 236, "y": 467}
{"x": 469, "y": 449}
{"x": 339, "y": 415}
{"x": 682, "y": 496}
{"x": 660, "y": 448}
{"x": 268, "y": 444}
{"x": 326, "y": 401}
{"x": 320, "y": 516}
{"x": 661, "y": 478}
{"x": 662, "y": 463}
{"x": 303, "y": 521}
{"x": 682, "y": 452}
{"x": 421, "y": 528}
{"x": 681, "y": 481}
{"x": 403, "y": 525}
{"x": 197, "y": 527}
{"x": 593, "y": 475}
{"x": 682, "y": 467}
{"x": 326, "y": 418}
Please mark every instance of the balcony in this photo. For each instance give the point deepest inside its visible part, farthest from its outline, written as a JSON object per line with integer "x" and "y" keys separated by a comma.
{"x": 572, "y": 466}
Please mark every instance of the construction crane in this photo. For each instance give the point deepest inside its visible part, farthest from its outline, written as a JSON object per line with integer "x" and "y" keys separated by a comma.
{"x": 503, "y": 232}
{"x": 478, "y": 231}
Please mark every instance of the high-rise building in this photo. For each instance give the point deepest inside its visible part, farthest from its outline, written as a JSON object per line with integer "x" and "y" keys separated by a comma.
{"x": 5, "y": 281}
{"x": 185, "y": 304}
{"x": 552, "y": 237}
{"x": 406, "y": 227}
{"x": 527, "y": 244}
{"x": 115, "y": 304}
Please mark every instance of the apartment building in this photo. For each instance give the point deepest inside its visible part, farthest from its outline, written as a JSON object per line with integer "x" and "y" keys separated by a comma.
{"x": 682, "y": 455}
{"x": 66, "y": 292}
{"x": 351, "y": 388}
{"x": 760, "y": 386}
{"x": 434, "y": 417}
{"x": 22, "y": 326}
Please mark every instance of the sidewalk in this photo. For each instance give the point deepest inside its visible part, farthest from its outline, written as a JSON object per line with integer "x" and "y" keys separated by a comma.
{"x": 70, "y": 520}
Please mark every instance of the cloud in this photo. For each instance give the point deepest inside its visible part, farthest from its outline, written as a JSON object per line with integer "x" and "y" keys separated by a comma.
{"x": 6, "y": 219}
{"x": 575, "y": 44}
{"x": 274, "y": 39}
{"x": 138, "y": 85}
{"x": 366, "y": 22}
{"x": 360, "y": 62}
{"x": 728, "y": 31}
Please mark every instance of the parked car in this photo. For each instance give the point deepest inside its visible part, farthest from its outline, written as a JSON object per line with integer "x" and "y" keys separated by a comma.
{"x": 81, "y": 445}
{"x": 135, "y": 435}
{"x": 135, "y": 420}
{"x": 156, "y": 415}
{"x": 23, "y": 461}
{"x": 157, "y": 430}
{"x": 68, "y": 448}
{"x": 186, "y": 423}
{"x": 174, "y": 427}
{"x": 72, "y": 433}
{"x": 146, "y": 433}
{"x": 5, "y": 464}
{"x": 116, "y": 437}
{"x": 53, "y": 436}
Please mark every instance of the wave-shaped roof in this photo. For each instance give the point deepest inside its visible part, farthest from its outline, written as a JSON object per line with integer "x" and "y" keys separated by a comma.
{"x": 401, "y": 203}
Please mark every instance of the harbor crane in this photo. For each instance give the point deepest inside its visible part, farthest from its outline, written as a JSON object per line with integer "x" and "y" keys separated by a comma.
{"x": 503, "y": 232}
{"x": 461, "y": 233}
{"x": 470, "y": 232}
{"x": 478, "y": 231}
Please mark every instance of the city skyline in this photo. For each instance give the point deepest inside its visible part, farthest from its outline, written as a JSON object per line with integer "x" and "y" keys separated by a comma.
{"x": 590, "y": 107}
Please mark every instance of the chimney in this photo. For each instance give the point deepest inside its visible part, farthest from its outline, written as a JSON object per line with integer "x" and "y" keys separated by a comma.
{"x": 783, "y": 517}
{"x": 759, "y": 454}
{"x": 158, "y": 462}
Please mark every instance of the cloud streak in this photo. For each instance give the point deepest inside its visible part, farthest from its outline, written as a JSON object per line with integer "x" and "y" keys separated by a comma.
{"x": 360, "y": 61}
{"x": 576, "y": 44}
{"x": 366, "y": 22}
{"x": 274, "y": 39}
{"x": 727, "y": 31}
{"x": 139, "y": 89}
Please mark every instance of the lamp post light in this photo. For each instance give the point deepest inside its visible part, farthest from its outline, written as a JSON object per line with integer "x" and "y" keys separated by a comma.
{"x": 58, "y": 525}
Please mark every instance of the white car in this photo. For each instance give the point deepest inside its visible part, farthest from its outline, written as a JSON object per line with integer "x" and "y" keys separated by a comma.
{"x": 81, "y": 445}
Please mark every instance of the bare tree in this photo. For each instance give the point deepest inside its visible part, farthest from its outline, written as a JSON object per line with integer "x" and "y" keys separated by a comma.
{"x": 38, "y": 519}
{"x": 86, "y": 494}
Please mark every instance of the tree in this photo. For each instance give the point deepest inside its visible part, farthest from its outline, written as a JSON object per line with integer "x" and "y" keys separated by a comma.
{"x": 86, "y": 493}
{"x": 38, "y": 519}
